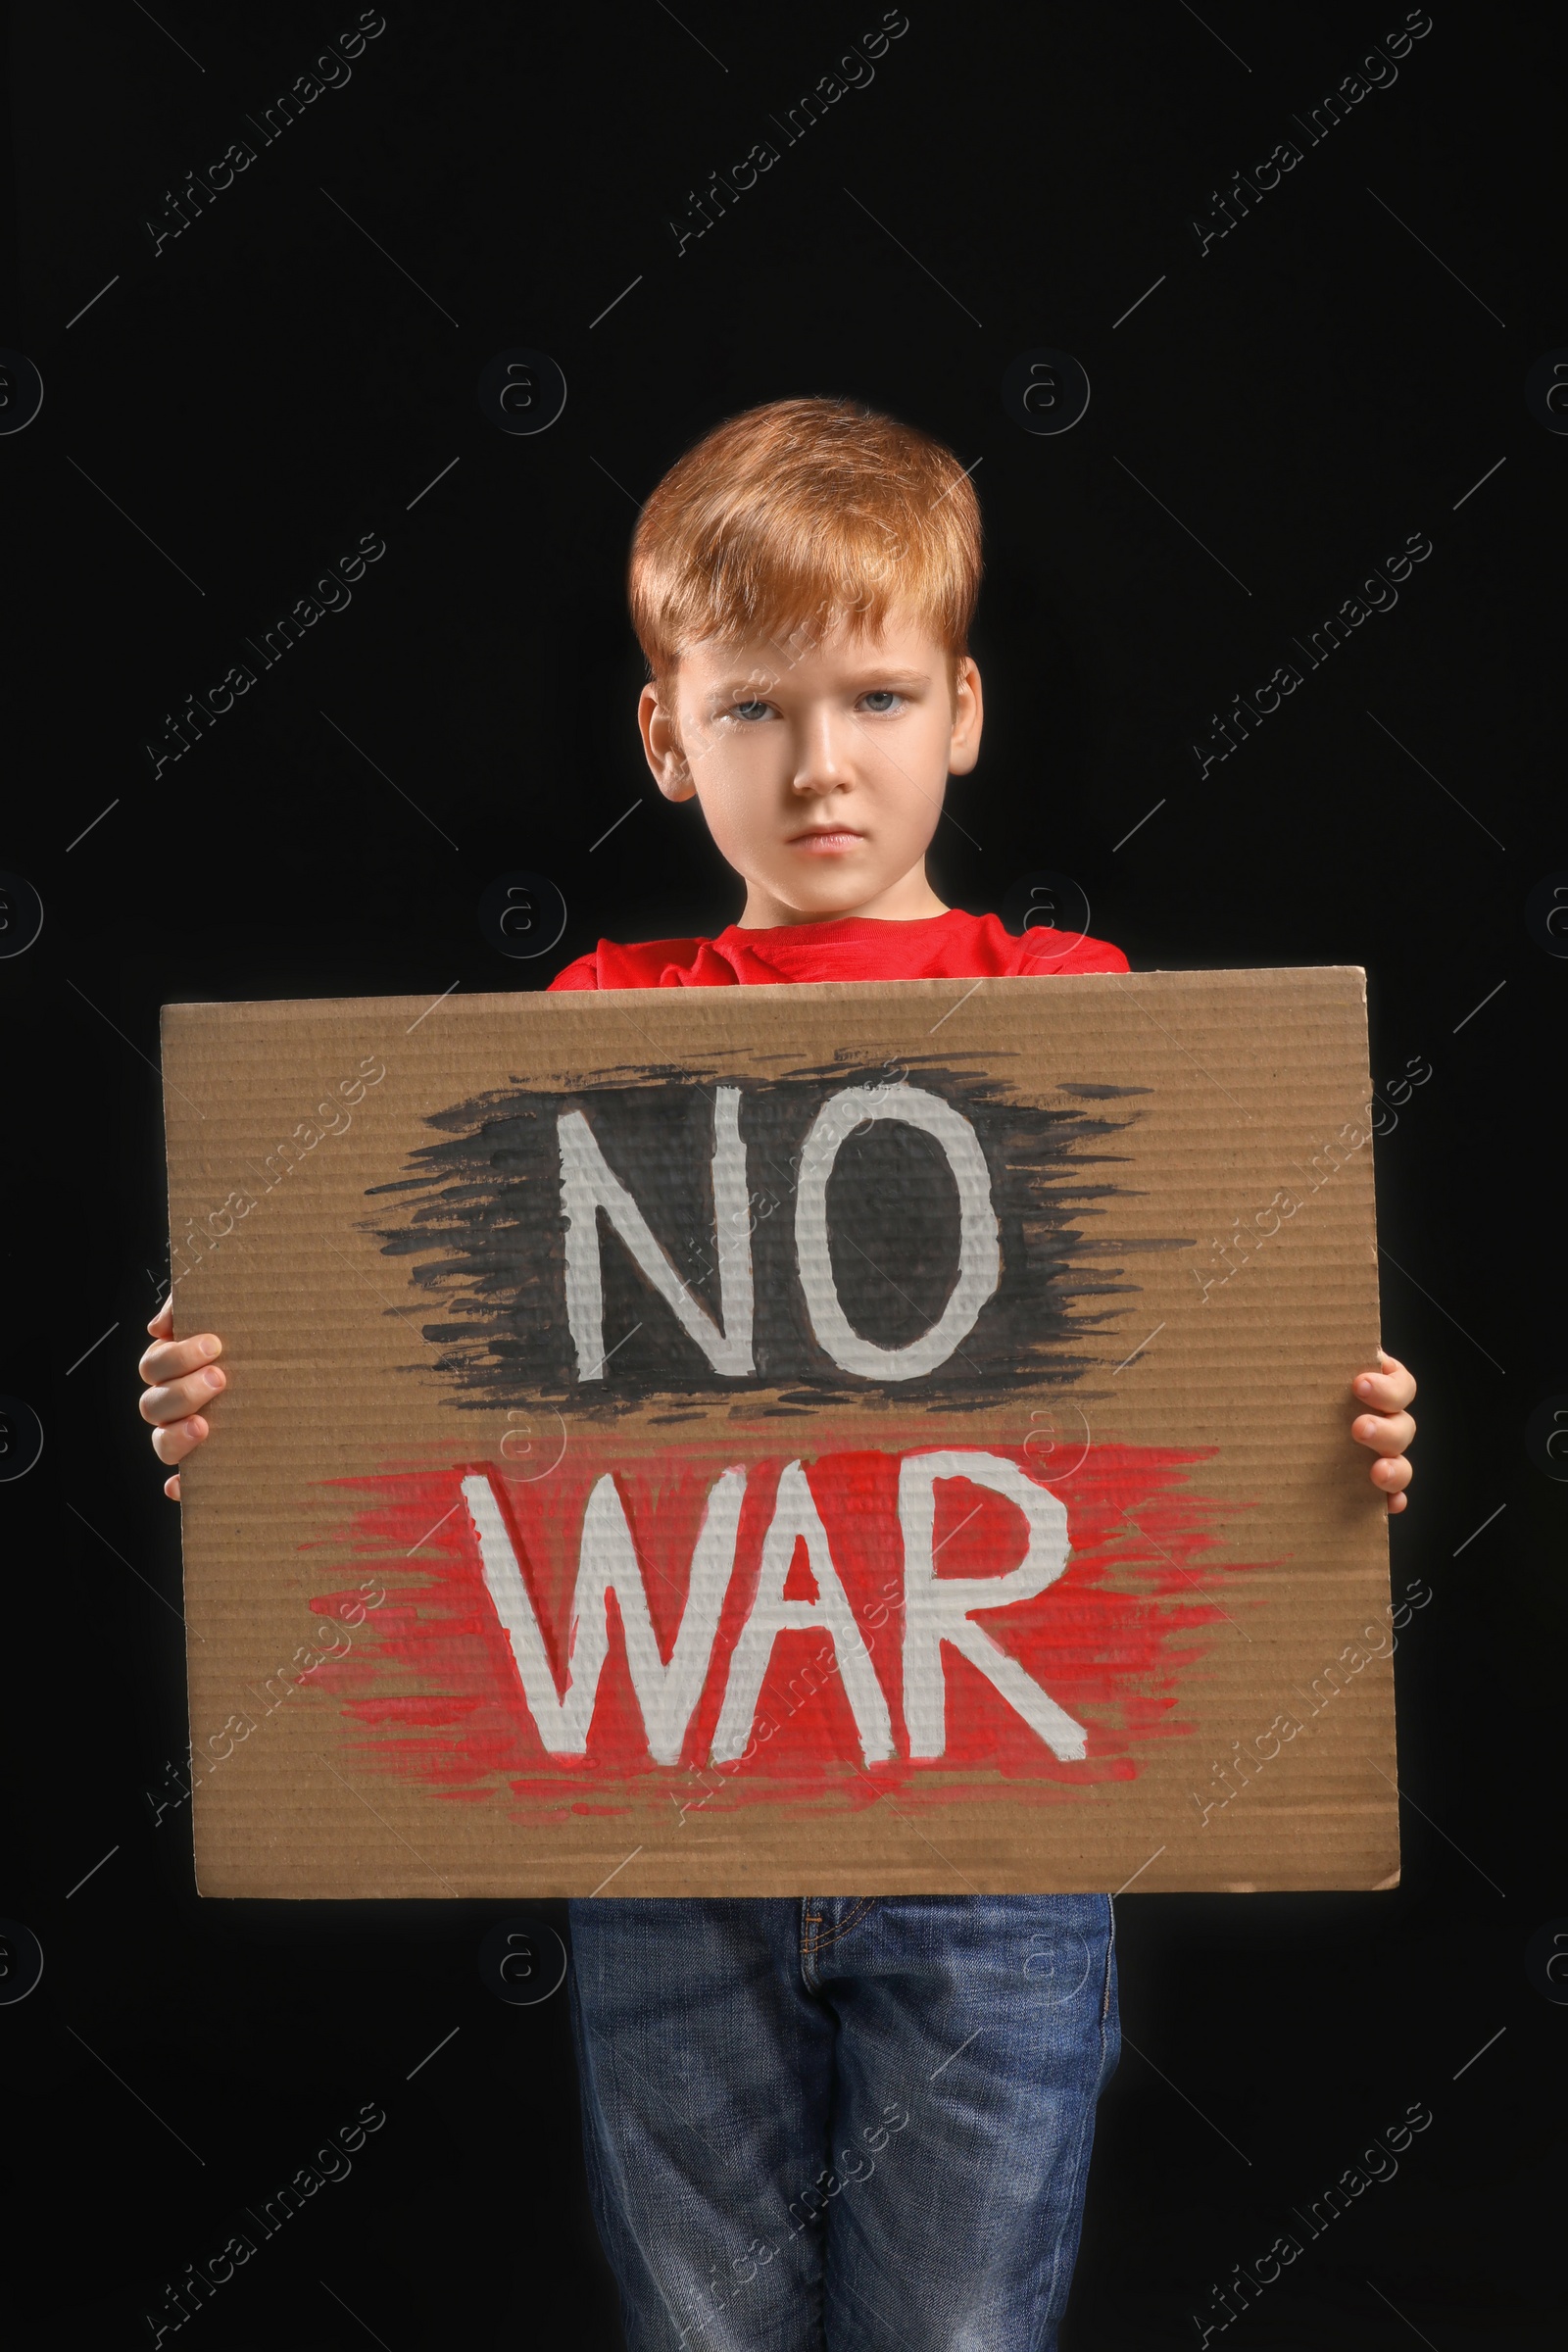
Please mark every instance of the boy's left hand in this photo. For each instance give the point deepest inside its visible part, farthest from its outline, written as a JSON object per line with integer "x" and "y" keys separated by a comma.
{"x": 1386, "y": 1426}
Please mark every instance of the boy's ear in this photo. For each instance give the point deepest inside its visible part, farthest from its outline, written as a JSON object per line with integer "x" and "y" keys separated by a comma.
{"x": 661, "y": 746}
{"x": 968, "y": 717}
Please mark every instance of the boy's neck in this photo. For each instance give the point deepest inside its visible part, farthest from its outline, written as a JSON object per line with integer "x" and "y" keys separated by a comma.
{"x": 909, "y": 900}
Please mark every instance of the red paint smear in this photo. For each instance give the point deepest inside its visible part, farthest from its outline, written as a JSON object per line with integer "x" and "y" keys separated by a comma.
{"x": 431, "y": 1674}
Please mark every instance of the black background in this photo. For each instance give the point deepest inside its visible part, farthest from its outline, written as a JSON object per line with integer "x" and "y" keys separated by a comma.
{"x": 1276, "y": 416}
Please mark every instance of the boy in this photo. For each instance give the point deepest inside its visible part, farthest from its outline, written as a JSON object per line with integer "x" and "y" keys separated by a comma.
{"x": 843, "y": 2121}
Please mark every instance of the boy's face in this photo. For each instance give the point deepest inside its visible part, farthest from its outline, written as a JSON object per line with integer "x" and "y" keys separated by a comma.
{"x": 821, "y": 772}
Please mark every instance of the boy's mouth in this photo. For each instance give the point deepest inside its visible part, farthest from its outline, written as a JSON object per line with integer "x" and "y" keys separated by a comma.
{"x": 823, "y": 840}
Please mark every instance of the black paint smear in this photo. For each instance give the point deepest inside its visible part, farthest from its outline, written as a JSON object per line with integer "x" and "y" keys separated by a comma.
{"x": 483, "y": 1222}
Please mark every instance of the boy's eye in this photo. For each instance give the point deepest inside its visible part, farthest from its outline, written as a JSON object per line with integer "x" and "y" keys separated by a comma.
{"x": 752, "y": 709}
{"x": 880, "y": 701}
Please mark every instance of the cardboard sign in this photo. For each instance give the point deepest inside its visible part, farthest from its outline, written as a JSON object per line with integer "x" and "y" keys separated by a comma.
{"x": 843, "y": 1438}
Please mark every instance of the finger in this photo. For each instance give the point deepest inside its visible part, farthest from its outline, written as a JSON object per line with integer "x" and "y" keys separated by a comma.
{"x": 1392, "y": 1476}
{"x": 1385, "y": 1433}
{"x": 176, "y": 1397}
{"x": 169, "y": 1359}
{"x": 1396, "y": 1503}
{"x": 171, "y": 1489}
{"x": 161, "y": 1325}
{"x": 173, "y": 1445}
{"x": 1391, "y": 1386}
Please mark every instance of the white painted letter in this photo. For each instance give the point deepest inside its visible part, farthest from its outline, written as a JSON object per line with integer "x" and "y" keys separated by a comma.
{"x": 936, "y": 1610}
{"x": 979, "y": 1246}
{"x": 606, "y": 1562}
{"x": 587, "y": 1185}
{"x": 795, "y": 1514}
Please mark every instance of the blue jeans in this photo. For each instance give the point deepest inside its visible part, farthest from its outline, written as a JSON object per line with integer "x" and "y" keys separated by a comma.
{"x": 847, "y": 2123}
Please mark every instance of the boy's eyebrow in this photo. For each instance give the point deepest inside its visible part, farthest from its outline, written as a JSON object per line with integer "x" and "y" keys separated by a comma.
{"x": 872, "y": 675}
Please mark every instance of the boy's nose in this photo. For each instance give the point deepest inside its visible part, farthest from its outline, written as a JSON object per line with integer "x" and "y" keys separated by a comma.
{"x": 822, "y": 759}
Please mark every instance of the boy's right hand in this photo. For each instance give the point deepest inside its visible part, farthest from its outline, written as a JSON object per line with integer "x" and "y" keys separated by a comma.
{"x": 182, "y": 1377}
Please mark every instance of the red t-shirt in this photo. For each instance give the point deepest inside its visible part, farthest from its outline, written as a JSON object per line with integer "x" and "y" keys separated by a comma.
{"x": 938, "y": 947}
